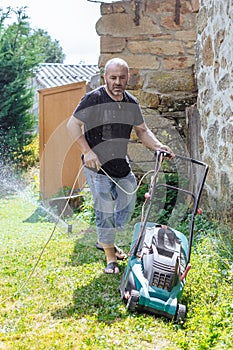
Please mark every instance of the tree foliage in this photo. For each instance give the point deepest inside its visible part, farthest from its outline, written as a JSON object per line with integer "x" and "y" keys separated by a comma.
{"x": 21, "y": 51}
{"x": 50, "y": 50}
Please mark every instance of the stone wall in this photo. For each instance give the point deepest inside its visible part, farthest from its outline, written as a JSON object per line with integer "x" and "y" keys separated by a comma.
{"x": 156, "y": 38}
{"x": 214, "y": 64}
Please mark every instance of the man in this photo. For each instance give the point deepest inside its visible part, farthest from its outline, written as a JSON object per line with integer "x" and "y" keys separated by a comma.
{"x": 108, "y": 115}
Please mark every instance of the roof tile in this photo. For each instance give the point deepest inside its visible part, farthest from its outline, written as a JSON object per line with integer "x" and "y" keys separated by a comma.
{"x": 56, "y": 74}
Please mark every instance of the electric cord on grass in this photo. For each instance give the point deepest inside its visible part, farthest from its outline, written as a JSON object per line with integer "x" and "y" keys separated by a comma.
{"x": 71, "y": 196}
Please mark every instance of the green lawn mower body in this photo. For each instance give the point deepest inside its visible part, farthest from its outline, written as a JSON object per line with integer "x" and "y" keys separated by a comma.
{"x": 152, "y": 282}
{"x": 159, "y": 260}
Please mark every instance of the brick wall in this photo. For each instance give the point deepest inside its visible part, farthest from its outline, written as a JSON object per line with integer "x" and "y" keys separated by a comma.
{"x": 156, "y": 38}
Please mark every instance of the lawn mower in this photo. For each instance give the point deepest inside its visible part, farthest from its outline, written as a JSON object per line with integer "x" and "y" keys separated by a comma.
{"x": 159, "y": 258}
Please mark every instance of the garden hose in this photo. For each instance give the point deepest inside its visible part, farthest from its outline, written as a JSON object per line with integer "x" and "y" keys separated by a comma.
{"x": 67, "y": 198}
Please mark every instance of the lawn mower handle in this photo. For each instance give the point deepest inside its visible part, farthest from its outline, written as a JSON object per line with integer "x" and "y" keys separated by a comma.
{"x": 162, "y": 153}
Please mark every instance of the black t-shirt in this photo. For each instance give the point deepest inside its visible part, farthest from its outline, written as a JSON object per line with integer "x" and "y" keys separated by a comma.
{"x": 107, "y": 127}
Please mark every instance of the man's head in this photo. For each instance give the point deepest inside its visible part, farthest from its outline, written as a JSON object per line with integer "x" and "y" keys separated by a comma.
{"x": 116, "y": 75}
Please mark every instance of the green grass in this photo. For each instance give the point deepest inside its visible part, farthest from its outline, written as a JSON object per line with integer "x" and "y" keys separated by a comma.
{"x": 69, "y": 303}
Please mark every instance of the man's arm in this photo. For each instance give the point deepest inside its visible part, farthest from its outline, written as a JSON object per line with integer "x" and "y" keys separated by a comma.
{"x": 149, "y": 139}
{"x": 74, "y": 126}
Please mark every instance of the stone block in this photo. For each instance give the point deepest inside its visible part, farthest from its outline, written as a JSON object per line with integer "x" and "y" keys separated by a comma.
{"x": 159, "y": 6}
{"x": 218, "y": 40}
{"x": 155, "y": 120}
{"x": 172, "y": 137}
{"x": 156, "y": 47}
{"x": 133, "y": 136}
{"x": 186, "y": 35}
{"x": 138, "y": 152}
{"x": 122, "y": 25}
{"x": 169, "y": 23}
{"x": 225, "y": 181}
{"x": 147, "y": 99}
{"x": 195, "y": 5}
{"x": 191, "y": 51}
{"x": 190, "y": 45}
{"x": 202, "y": 19}
{"x": 118, "y": 7}
{"x": 134, "y": 61}
{"x": 207, "y": 52}
{"x": 176, "y": 102}
{"x": 227, "y": 137}
{"x": 106, "y": 9}
{"x": 109, "y": 44}
{"x": 135, "y": 81}
{"x": 159, "y": 36}
{"x": 225, "y": 82}
{"x": 169, "y": 81}
{"x": 163, "y": 6}
{"x": 182, "y": 62}
{"x": 212, "y": 135}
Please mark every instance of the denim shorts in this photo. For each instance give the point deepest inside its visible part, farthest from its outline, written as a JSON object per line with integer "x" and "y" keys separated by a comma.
{"x": 114, "y": 202}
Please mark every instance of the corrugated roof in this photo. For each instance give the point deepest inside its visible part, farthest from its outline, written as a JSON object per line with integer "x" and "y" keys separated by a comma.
{"x": 56, "y": 74}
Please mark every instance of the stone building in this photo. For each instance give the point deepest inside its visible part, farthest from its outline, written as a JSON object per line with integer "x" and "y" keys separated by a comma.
{"x": 179, "y": 58}
{"x": 214, "y": 62}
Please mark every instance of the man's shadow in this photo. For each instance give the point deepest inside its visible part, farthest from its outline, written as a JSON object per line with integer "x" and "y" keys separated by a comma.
{"x": 97, "y": 293}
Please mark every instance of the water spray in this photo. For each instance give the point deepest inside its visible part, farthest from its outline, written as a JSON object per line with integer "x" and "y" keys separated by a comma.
{"x": 48, "y": 240}
{"x": 69, "y": 226}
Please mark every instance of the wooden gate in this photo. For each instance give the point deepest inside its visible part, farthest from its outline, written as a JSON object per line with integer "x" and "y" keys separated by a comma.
{"x": 59, "y": 155}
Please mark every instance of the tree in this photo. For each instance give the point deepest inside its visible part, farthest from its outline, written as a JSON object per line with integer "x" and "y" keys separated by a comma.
{"x": 21, "y": 51}
{"x": 50, "y": 50}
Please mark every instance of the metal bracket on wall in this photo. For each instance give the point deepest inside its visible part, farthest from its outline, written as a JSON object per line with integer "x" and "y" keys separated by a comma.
{"x": 137, "y": 15}
{"x": 177, "y": 12}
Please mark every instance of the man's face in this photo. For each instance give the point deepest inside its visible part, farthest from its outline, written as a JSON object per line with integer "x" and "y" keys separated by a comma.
{"x": 116, "y": 79}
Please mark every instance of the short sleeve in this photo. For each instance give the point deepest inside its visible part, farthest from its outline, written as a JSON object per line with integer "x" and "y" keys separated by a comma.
{"x": 139, "y": 119}
{"x": 83, "y": 110}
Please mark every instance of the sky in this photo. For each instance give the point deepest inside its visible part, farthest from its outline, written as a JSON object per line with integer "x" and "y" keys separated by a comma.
{"x": 71, "y": 22}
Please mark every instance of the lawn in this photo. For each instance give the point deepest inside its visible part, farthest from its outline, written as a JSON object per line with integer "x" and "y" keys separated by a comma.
{"x": 69, "y": 303}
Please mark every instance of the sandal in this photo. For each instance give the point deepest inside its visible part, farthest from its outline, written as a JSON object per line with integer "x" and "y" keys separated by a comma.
{"x": 118, "y": 251}
{"x": 112, "y": 268}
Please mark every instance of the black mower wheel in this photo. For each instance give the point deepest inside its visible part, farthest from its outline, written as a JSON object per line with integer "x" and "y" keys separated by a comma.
{"x": 181, "y": 312}
{"x": 133, "y": 300}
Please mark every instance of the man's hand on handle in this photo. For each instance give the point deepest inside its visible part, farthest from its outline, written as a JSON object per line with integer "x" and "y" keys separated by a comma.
{"x": 91, "y": 160}
{"x": 167, "y": 149}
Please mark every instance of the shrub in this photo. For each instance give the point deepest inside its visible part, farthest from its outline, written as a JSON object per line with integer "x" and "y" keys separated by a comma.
{"x": 29, "y": 156}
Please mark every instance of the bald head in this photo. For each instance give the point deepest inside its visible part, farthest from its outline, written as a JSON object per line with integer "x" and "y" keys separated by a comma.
{"x": 116, "y": 76}
{"x": 114, "y": 62}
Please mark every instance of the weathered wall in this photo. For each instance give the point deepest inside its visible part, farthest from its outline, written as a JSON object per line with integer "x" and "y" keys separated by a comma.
{"x": 214, "y": 62}
{"x": 156, "y": 38}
